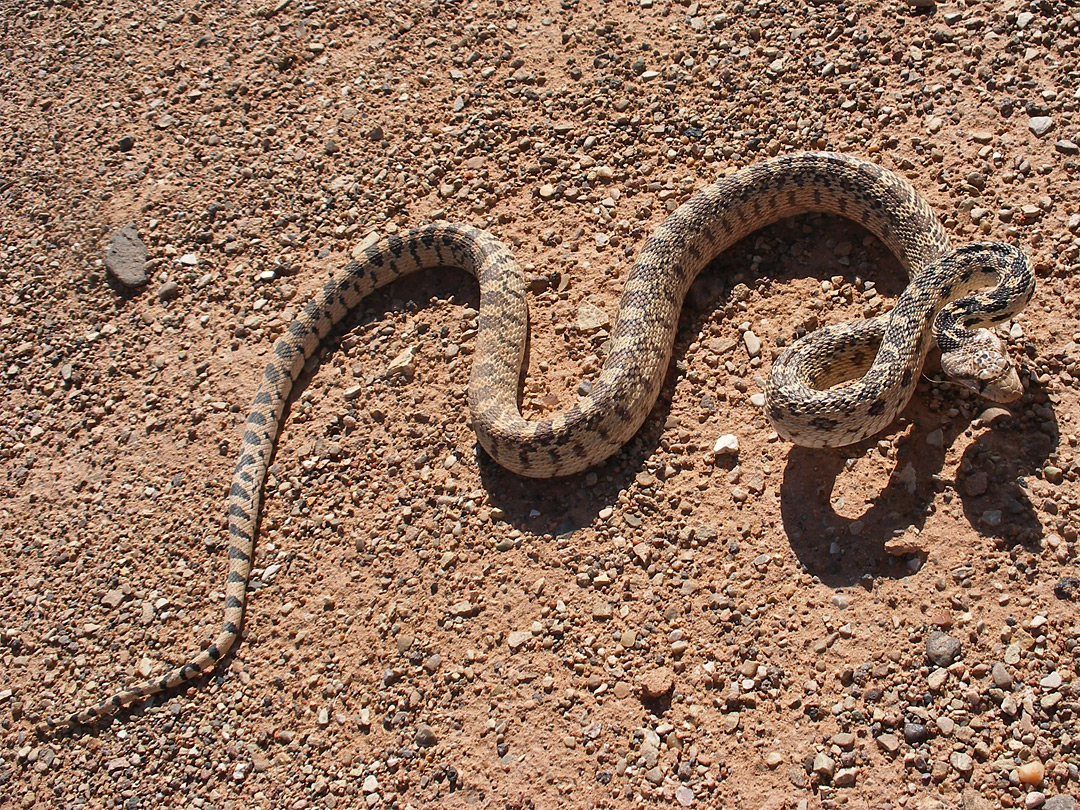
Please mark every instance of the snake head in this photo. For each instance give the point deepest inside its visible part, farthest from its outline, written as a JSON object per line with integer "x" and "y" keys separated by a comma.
{"x": 983, "y": 365}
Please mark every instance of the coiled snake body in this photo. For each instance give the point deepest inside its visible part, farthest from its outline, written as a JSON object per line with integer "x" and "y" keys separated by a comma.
{"x": 802, "y": 401}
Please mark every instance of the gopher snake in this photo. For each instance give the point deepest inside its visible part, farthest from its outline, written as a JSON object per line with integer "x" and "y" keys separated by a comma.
{"x": 887, "y": 350}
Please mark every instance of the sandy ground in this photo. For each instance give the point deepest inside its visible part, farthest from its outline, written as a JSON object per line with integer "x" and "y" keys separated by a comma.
{"x": 890, "y": 625}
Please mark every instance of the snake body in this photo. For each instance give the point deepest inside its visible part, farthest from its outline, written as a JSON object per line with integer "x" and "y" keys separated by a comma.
{"x": 888, "y": 351}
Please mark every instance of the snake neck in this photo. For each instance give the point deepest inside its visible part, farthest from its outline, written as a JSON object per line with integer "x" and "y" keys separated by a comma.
{"x": 1002, "y": 280}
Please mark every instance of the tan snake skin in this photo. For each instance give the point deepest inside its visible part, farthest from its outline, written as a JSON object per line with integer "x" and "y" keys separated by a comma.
{"x": 642, "y": 338}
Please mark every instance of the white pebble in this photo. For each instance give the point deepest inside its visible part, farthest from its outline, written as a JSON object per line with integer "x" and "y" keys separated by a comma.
{"x": 726, "y": 445}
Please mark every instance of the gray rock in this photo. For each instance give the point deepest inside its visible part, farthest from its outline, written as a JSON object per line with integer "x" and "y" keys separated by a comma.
{"x": 1002, "y": 677}
{"x": 125, "y": 259}
{"x": 168, "y": 291}
{"x": 942, "y": 649}
{"x": 1067, "y": 587}
{"x": 425, "y": 736}
{"x": 1060, "y": 802}
{"x": 1040, "y": 125}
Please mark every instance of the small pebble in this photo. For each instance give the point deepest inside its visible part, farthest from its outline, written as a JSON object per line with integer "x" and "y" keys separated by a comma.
{"x": 125, "y": 260}
{"x": 1031, "y": 773}
{"x": 845, "y": 777}
{"x": 726, "y": 445}
{"x": 1040, "y": 125}
{"x": 752, "y": 343}
{"x": 518, "y": 638}
{"x": 962, "y": 763}
{"x": 1067, "y": 587}
{"x": 889, "y": 743}
{"x": 942, "y": 649}
{"x": 915, "y": 733}
{"x": 168, "y": 291}
{"x": 425, "y": 736}
{"x": 657, "y": 683}
{"x": 1001, "y": 676}
{"x": 1051, "y": 681}
{"x": 824, "y": 766}
{"x": 1060, "y": 802}
{"x": 590, "y": 317}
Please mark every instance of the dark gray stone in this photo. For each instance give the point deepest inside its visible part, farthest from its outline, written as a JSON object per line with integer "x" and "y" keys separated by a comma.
{"x": 125, "y": 260}
{"x": 1067, "y": 587}
{"x": 942, "y": 649}
{"x": 425, "y": 736}
{"x": 915, "y": 733}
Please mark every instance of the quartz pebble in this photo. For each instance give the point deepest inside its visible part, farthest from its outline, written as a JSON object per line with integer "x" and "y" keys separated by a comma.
{"x": 752, "y": 343}
{"x": 726, "y": 445}
{"x": 1031, "y": 773}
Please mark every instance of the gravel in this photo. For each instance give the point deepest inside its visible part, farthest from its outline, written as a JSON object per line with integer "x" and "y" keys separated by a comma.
{"x": 421, "y": 630}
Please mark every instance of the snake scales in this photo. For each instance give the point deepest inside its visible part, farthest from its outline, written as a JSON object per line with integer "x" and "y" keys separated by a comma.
{"x": 802, "y": 400}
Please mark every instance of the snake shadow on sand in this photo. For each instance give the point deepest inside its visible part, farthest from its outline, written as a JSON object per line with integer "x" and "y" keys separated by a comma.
{"x": 991, "y": 485}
